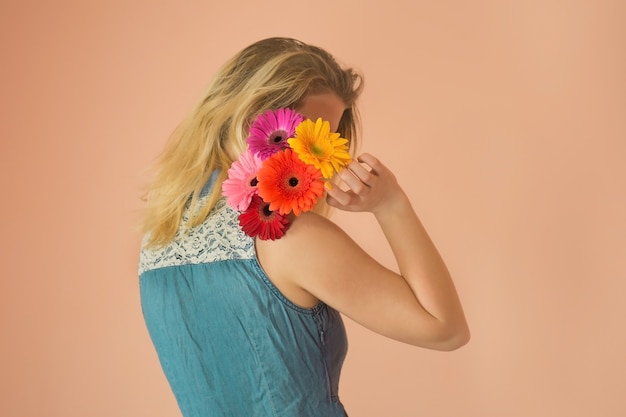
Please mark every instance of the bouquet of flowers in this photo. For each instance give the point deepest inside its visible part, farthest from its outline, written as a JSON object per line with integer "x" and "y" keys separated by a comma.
{"x": 283, "y": 170}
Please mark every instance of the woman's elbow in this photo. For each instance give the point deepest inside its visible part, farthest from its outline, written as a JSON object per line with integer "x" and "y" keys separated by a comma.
{"x": 454, "y": 339}
{"x": 457, "y": 341}
{"x": 437, "y": 334}
{"x": 447, "y": 339}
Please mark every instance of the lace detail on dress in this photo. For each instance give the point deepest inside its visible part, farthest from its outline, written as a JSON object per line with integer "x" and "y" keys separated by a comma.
{"x": 218, "y": 238}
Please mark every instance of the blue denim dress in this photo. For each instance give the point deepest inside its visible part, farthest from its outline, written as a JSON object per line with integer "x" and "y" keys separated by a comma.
{"x": 229, "y": 343}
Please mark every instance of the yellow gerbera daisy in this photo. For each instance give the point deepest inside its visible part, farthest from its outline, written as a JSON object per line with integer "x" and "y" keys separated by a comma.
{"x": 316, "y": 145}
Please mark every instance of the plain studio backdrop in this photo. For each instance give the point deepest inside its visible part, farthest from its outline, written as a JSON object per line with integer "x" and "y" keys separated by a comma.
{"x": 504, "y": 120}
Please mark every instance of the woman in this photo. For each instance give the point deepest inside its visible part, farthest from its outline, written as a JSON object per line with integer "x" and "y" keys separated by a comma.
{"x": 245, "y": 326}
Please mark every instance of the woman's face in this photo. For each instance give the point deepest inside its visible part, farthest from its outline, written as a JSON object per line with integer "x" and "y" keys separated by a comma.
{"x": 328, "y": 106}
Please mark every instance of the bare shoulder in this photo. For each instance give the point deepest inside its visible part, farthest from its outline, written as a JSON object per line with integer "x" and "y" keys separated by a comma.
{"x": 312, "y": 240}
{"x": 313, "y": 230}
{"x": 318, "y": 260}
{"x": 313, "y": 246}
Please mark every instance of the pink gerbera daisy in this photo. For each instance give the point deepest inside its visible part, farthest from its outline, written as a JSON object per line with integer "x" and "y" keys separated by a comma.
{"x": 241, "y": 183}
{"x": 270, "y": 131}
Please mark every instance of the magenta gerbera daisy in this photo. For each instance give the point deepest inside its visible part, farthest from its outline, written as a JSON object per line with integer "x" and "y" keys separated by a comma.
{"x": 241, "y": 183}
{"x": 259, "y": 220}
{"x": 269, "y": 131}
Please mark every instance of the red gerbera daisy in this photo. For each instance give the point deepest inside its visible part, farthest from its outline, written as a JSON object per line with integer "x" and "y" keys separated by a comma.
{"x": 287, "y": 183}
{"x": 259, "y": 220}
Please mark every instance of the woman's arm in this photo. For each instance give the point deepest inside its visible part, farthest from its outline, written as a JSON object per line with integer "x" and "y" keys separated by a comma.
{"x": 316, "y": 259}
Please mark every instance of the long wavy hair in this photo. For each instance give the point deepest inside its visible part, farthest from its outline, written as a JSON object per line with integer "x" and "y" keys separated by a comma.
{"x": 269, "y": 74}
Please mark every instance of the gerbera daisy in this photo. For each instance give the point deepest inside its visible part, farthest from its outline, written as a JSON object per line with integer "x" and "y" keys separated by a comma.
{"x": 259, "y": 220}
{"x": 241, "y": 183}
{"x": 315, "y": 144}
{"x": 270, "y": 131}
{"x": 289, "y": 184}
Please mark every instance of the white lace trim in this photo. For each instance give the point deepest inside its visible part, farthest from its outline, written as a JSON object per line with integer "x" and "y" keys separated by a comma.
{"x": 219, "y": 238}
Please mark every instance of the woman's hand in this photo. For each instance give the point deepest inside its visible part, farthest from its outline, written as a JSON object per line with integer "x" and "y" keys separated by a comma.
{"x": 371, "y": 186}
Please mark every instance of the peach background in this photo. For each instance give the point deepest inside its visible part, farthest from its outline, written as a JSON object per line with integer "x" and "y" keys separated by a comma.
{"x": 505, "y": 121}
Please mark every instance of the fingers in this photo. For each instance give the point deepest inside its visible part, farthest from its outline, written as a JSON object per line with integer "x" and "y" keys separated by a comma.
{"x": 373, "y": 162}
{"x": 362, "y": 174}
{"x": 338, "y": 198}
{"x": 353, "y": 181}
{"x": 360, "y": 185}
{"x": 366, "y": 169}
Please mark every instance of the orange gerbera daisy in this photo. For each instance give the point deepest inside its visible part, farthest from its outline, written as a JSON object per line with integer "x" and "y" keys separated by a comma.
{"x": 315, "y": 144}
{"x": 287, "y": 183}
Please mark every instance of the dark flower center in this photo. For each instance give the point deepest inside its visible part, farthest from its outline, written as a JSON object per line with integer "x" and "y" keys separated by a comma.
{"x": 293, "y": 181}
{"x": 266, "y": 210}
{"x": 254, "y": 182}
{"x": 278, "y": 137}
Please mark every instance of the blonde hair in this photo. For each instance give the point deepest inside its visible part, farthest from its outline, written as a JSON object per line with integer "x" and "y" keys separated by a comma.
{"x": 269, "y": 74}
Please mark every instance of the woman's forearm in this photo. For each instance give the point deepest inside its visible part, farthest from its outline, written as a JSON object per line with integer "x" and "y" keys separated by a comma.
{"x": 422, "y": 267}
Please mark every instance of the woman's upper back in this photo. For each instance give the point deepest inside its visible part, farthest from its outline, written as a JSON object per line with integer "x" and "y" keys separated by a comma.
{"x": 228, "y": 340}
